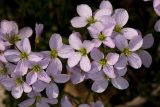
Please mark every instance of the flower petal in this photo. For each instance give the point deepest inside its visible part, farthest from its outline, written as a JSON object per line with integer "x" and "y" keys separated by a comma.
{"x": 129, "y": 33}
{"x": 84, "y": 105}
{"x": 73, "y": 61}
{"x": 65, "y": 102}
{"x": 26, "y": 88}
{"x": 89, "y": 45}
{"x": 78, "y": 22}
{"x": 109, "y": 42}
{"x": 121, "y": 16}
{"x": 31, "y": 78}
{"x": 105, "y": 4}
{"x": 42, "y": 104}
{"x": 75, "y": 41}
{"x": 121, "y": 72}
{"x": 65, "y": 51}
{"x": 146, "y": 58}
{"x": 61, "y": 78}
{"x": 122, "y": 62}
{"x": 99, "y": 86}
{"x": 84, "y": 11}
{"x": 44, "y": 77}
{"x": 121, "y": 42}
{"x": 85, "y": 63}
{"x": 148, "y": 41}
{"x": 156, "y": 5}
{"x": 55, "y": 41}
{"x": 52, "y": 91}
{"x": 96, "y": 54}
{"x": 102, "y": 12}
{"x": 120, "y": 83}
{"x": 12, "y": 55}
{"x": 157, "y": 26}
{"x": 25, "y": 32}
{"x": 134, "y": 61}
{"x": 17, "y": 92}
{"x": 39, "y": 86}
{"x": 109, "y": 71}
{"x": 24, "y": 45}
{"x": 135, "y": 43}
{"x": 112, "y": 58}
{"x": 27, "y": 103}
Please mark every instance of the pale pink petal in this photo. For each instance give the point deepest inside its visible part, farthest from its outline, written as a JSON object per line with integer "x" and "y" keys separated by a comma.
{"x": 25, "y": 32}
{"x": 96, "y": 54}
{"x": 79, "y": 22}
{"x": 121, "y": 72}
{"x": 61, "y": 78}
{"x": 42, "y": 104}
{"x": 27, "y": 88}
{"x": 65, "y": 51}
{"x": 120, "y": 83}
{"x": 75, "y": 41}
{"x": 108, "y": 20}
{"x": 65, "y": 102}
{"x": 105, "y": 4}
{"x": 89, "y": 45}
{"x": 99, "y": 86}
{"x": 109, "y": 71}
{"x": 148, "y": 41}
{"x": 134, "y": 61}
{"x": 39, "y": 86}
{"x": 17, "y": 92}
{"x": 52, "y": 91}
{"x": 85, "y": 63}
{"x": 44, "y": 77}
{"x": 55, "y": 41}
{"x": 146, "y": 58}
{"x": 136, "y": 43}
{"x": 156, "y": 5}
{"x": 31, "y": 78}
{"x": 122, "y": 62}
{"x": 109, "y": 42}
{"x": 33, "y": 56}
{"x": 12, "y": 55}
{"x": 157, "y": 26}
{"x": 73, "y": 61}
{"x": 129, "y": 33}
{"x": 121, "y": 16}
{"x": 102, "y": 12}
{"x": 27, "y": 103}
{"x": 112, "y": 58}
{"x": 24, "y": 45}
{"x": 121, "y": 42}
{"x": 97, "y": 42}
{"x": 84, "y": 11}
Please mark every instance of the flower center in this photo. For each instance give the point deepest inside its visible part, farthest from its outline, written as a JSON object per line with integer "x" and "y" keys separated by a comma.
{"x": 103, "y": 62}
{"x": 91, "y": 20}
{"x": 53, "y": 54}
{"x": 3, "y": 71}
{"x": 101, "y": 37}
{"x": 19, "y": 81}
{"x": 14, "y": 39}
{"x": 83, "y": 51}
{"x": 126, "y": 52}
{"x": 24, "y": 55}
{"x": 36, "y": 68}
{"x": 38, "y": 98}
{"x": 117, "y": 29}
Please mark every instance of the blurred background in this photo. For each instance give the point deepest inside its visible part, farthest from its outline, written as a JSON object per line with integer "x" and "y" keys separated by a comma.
{"x": 144, "y": 89}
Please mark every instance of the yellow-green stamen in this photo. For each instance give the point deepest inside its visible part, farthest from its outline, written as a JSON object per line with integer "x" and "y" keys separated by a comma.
{"x": 53, "y": 54}
{"x": 24, "y": 55}
{"x": 117, "y": 29}
{"x": 19, "y": 81}
{"x": 126, "y": 52}
{"x": 91, "y": 20}
{"x": 83, "y": 51}
{"x": 36, "y": 68}
{"x": 101, "y": 37}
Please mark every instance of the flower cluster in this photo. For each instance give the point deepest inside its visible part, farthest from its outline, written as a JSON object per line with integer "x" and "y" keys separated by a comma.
{"x": 105, "y": 58}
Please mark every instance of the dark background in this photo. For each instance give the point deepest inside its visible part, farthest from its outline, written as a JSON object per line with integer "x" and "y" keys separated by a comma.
{"x": 56, "y": 15}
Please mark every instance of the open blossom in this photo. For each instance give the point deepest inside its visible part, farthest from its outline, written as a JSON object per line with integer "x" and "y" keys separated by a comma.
{"x": 104, "y": 63}
{"x": 81, "y": 53}
{"x": 128, "y": 52}
{"x": 102, "y": 32}
{"x": 16, "y": 85}
{"x": 22, "y": 56}
{"x": 121, "y": 17}
{"x": 9, "y": 32}
{"x": 101, "y": 81}
{"x": 58, "y": 49}
{"x": 37, "y": 72}
{"x": 37, "y": 100}
{"x": 86, "y": 15}
{"x": 146, "y": 58}
{"x": 156, "y": 6}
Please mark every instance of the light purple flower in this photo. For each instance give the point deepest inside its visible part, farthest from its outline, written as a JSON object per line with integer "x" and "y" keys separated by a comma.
{"x": 16, "y": 85}
{"x": 58, "y": 49}
{"x": 102, "y": 33}
{"x": 9, "y": 32}
{"x": 121, "y": 17}
{"x": 146, "y": 58}
{"x": 86, "y": 16}
{"x": 38, "y": 100}
{"x": 106, "y": 64}
{"x": 128, "y": 51}
{"x": 3, "y": 46}
{"x": 82, "y": 51}
{"x": 37, "y": 72}
{"x": 22, "y": 56}
{"x": 156, "y": 6}
{"x": 101, "y": 82}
